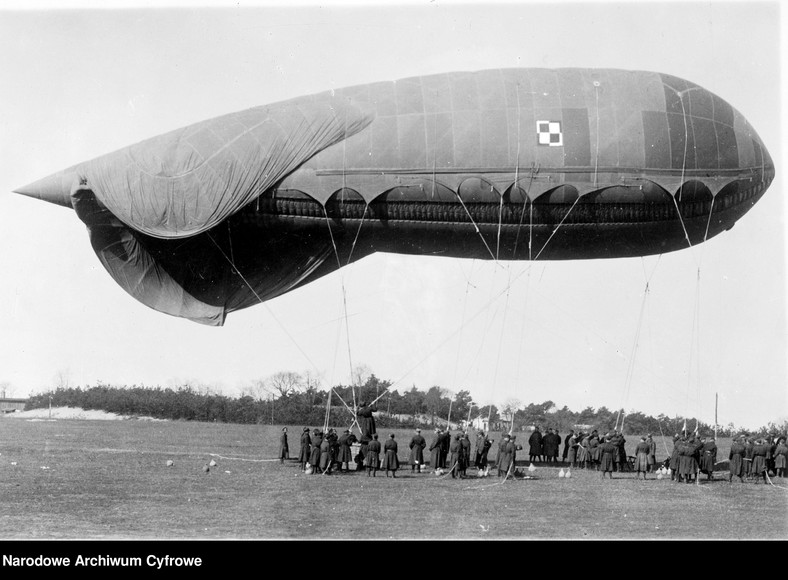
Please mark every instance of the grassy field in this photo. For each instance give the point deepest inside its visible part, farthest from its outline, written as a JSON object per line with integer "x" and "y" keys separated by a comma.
{"x": 83, "y": 479}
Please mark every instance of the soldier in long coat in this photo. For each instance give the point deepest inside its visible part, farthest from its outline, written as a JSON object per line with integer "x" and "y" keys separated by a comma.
{"x": 582, "y": 450}
{"x": 465, "y": 450}
{"x": 622, "y": 464}
{"x": 736, "y": 459}
{"x": 607, "y": 455}
{"x": 652, "y": 452}
{"x": 390, "y": 460}
{"x": 641, "y": 458}
{"x": 780, "y": 457}
{"x": 284, "y": 449}
{"x": 535, "y": 445}
{"x": 688, "y": 459}
{"x": 568, "y": 437}
{"x": 708, "y": 457}
{"x": 314, "y": 456}
{"x": 748, "y": 449}
{"x": 673, "y": 465}
{"x": 483, "y": 445}
{"x": 325, "y": 456}
{"x": 417, "y": 445}
{"x": 365, "y": 418}
{"x": 435, "y": 450}
{"x": 455, "y": 456}
{"x": 306, "y": 445}
{"x": 445, "y": 443}
{"x": 594, "y": 452}
{"x": 550, "y": 444}
{"x": 760, "y": 453}
{"x": 505, "y": 450}
{"x": 345, "y": 455}
{"x": 372, "y": 458}
{"x": 512, "y": 449}
{"x": 361, "y": 458}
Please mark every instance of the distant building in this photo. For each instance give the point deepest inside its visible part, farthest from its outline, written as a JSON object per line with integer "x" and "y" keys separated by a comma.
{"x": 481, "y": 424}
{"x": 9, "y": 405}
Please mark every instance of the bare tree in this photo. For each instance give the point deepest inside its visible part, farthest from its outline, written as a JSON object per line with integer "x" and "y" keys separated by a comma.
{"x": 62, "y": 379}
{"x": 284, "y": 383}
{"x": 6, "y": 389}
{"x": 361, "y": 374}
{"x": 510, "y": 407}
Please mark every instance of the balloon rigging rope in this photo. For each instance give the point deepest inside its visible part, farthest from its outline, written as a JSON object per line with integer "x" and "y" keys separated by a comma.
{"x": 476, "y": 227}
{"x": 631, "y": 364}
{"x": 290, "y": 336}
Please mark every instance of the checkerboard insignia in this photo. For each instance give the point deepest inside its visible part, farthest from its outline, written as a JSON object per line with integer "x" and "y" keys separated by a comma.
{"x": 549, "y": 133}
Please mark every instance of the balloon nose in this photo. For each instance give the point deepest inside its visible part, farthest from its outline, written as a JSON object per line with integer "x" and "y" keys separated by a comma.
{"x": 55, "y": 189}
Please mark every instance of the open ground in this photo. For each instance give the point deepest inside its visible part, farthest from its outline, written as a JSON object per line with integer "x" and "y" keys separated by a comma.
{"x": 89, "y": 479}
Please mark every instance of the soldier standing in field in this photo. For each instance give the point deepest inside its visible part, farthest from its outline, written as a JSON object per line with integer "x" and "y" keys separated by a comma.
{"x": 435, "y": 450}
{"x": 372, "y": 458}
{"x": 567, "y": 439}
{"x": 284, "y": 450}
{"x": 641, "y": 458}
{"x": 465, "y": 451}
{"x": 306, "y": 444}
{"x": 780, "y": 457}
{"x": 345, "y": 455}
{"x": 314, "y": 455}
{"x": 390, "y": 460}
{"x": 483, "y": 445}
{"x": 736, "y": 459}
{"x": 505, "y": 450}
{"x": 608, "y": 452}
{"x": 455, "y": 456}
{"x": 417, "y": 445}
{"x": 708, "y": 458}
{"x": 652, "y": 453}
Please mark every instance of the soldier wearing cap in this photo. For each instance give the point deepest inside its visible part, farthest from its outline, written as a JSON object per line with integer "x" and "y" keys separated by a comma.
{"x": 505, "y": 451}
{"x": 760, "y": 453}
{"x": 736, "y": 459}
{"x": 390, "y": 460}
{"x": 306, "y": 444}
{"x": 455, "y": 456}
{"x": 483, "y": 444}
{"x": 417, "y": 445}
{"x": 372, "y": 458}
{"x": 345, "y": 455}
{"x": 435, "y": 450}
{"x": 314, "y": 457}
{"x": 284, "y": 449}
{"x": 608, "y": 452}
{"x": 708, "y": 457}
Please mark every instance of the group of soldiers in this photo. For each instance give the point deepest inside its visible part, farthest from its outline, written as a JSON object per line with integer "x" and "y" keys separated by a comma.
{"x": 692, "y": 455}
{"x": 324, "y": 453}
{"x": 601, "y": 452}
{"x": 749, "y": 458}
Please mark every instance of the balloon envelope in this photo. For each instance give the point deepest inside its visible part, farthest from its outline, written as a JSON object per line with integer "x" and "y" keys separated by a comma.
{"x": 505, "y": 164}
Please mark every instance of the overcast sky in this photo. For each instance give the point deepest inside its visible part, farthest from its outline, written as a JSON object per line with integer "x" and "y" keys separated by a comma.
{"x": 78, "y": 83}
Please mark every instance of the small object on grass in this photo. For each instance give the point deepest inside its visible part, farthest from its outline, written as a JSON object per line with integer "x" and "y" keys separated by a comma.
{"x": 212, "y": 463}
{"x": 206, "y": 468}
{"x": 531, "y": 467}
{"x": 568, "y": 473}
{"x": 561, "y": 473}
{"x": 170, "y": 463}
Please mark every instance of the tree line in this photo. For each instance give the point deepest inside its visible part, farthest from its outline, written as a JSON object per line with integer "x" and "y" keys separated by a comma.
{"x": 296, "y": 399}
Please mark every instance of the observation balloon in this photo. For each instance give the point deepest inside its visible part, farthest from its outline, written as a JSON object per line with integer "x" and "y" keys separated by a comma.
{"x": 506, "y": 164}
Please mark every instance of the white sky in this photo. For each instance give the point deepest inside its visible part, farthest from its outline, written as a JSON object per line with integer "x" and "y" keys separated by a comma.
{"x": 77, "y": 83}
